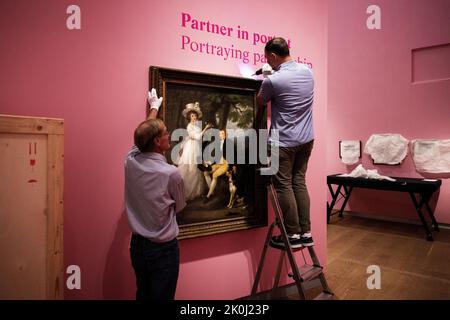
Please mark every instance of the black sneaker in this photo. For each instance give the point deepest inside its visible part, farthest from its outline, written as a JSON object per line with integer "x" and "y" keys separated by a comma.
{"x": 294, "y": 241}
{"x": 306, "y": 241}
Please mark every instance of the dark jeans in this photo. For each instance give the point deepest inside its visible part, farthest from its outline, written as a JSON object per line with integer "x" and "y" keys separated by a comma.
{"x": 156, "y": 266}
{"x": 291, "y": 187}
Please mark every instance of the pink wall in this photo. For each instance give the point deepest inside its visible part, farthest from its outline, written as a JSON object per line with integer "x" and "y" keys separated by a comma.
{"x": 96, "y": 79}
{"x": 370, "y": 90}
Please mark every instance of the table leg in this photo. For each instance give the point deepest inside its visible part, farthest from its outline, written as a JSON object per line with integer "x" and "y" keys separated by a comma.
{"x": 347, "y": 196}
{"x": 425, "y": 200}
{"x": 333, "y": 201}
{"x": 419, "y": 212}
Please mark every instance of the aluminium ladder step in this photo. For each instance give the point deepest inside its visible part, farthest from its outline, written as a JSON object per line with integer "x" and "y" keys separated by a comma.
{"x": 324, "y": 295}
{"x": 308, "y": 272}
{"x": 282, "y": 247}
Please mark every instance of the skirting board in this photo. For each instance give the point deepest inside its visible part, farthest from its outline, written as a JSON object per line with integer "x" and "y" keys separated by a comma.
{"x": 390, "y": 219}
{"x": 282, "y": 292}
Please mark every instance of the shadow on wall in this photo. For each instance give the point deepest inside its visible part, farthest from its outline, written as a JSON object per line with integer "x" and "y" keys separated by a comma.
{"x": 227, "y": 244}
{"x": 441, "y": 176}
{"x": 271, "y": 260}
{"x": 118, "y": 276}
{"x": 395, "y": 204}
{"x": 249, "y": 242}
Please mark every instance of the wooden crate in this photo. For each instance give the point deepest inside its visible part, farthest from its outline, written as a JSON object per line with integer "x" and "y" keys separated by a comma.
{"x": 31, "y": 207}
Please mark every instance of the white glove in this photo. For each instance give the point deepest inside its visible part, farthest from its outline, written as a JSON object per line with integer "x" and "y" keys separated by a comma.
{"x": 153, "y": 99}
{"x": 267, "y": 70}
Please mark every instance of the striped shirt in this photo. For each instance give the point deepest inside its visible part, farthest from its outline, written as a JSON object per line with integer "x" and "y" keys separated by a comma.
{"x": 154, "y": 193}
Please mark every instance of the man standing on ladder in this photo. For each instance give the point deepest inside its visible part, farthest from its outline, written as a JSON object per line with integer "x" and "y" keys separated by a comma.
{"x": 290, "y": 88}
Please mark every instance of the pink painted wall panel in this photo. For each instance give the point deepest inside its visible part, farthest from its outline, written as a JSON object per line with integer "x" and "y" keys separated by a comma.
{"x": 431, "y": 63}
{"x": 370, "y": 91}
{"x": 96, "y": 79}
{"x": 429, "y": 22}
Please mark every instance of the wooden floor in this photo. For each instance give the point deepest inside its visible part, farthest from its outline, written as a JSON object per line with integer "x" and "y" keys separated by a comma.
{"x": 411, "y": 267}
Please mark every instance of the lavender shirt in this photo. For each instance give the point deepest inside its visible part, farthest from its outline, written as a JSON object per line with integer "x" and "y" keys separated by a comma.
{"x": 154, "y": 193}
{"x": 291, "y": 91}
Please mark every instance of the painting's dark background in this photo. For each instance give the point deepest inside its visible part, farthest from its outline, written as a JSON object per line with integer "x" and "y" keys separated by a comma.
{"x": 218, "y": 105}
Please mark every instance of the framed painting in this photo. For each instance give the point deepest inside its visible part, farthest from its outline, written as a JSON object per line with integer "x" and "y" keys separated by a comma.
{"x": 217, "y": 116}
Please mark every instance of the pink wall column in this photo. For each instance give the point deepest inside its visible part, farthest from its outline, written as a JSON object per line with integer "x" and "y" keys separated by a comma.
{"x": 96, "y": 79}
{"x": 371, "y": 91}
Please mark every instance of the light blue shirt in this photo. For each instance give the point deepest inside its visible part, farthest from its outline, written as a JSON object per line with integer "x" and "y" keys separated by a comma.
{"x": 291, "y": 91}
{"x": 154, "y": 193}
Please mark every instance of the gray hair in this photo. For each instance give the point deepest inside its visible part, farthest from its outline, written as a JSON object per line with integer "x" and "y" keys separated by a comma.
{"x": 145, "y": 134}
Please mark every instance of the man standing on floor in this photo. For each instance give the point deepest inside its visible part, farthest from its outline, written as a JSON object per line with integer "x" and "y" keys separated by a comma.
{"x": 154, "y": 194}
{"x": 290, "y": 88}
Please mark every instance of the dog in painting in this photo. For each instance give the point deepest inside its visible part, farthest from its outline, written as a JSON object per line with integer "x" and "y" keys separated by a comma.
{"x": 231, "y": 175}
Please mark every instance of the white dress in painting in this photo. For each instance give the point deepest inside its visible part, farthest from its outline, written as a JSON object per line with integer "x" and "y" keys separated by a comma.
{"x": 194, "y": 181}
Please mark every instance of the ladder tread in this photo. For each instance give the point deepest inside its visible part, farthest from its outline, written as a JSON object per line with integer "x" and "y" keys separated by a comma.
{"x": 283, "y": 248}
{"x": 309, "y": 272}
{"x": 324, "y": 296}
{"x": 300, "y": 274}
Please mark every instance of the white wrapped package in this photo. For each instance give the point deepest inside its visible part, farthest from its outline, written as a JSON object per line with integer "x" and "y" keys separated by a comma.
{"x": 387, "y": 148}
{"x": 360, "y": 172}
{"x": 350, "y": 151}
{"x": 431, "y": 156}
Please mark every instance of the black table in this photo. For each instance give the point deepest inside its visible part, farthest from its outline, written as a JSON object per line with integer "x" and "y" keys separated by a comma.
{"x": 420, "y": 191}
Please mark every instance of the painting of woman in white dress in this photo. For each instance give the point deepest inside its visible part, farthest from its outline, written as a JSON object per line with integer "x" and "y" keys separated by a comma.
{"x": 211, "y": 120}
{"x": 191, "y": 153}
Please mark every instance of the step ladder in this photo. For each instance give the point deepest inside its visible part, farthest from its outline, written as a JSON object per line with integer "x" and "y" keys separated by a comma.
{"x": 301, "y": 275}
